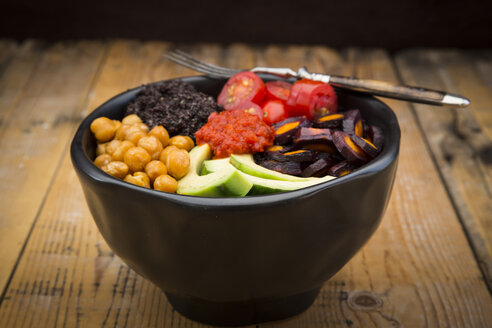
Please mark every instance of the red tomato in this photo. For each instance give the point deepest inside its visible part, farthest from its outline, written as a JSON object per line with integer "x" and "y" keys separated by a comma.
{"x": 241, "y": 87}
{"x": 311, "y": 98}
{"x": 278, "y": 90}
{"x": 274, "y": 111}
{"x": 251, "y": 108}
{"x": 323, "y": 100}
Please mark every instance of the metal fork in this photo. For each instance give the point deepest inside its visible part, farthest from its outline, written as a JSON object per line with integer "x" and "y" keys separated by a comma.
{"x": 373, "y": 87}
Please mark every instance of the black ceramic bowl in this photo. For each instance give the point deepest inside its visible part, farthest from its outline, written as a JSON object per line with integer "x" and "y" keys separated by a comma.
{"x": 237, "y": 261}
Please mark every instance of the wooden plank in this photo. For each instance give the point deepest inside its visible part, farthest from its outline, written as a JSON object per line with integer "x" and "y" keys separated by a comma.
{"x": 17, "y": 69}
{"x": 40, "y": 100}
{"x": 482, "y": 61}
{"x": 66, "y": 265}
{"x": 460, "y": 140}
{"x": 418, "y": 264}
{"x": 7, "y": 49}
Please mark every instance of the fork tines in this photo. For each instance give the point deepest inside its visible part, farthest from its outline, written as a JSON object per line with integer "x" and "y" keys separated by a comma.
{"x": 185, "y": 59}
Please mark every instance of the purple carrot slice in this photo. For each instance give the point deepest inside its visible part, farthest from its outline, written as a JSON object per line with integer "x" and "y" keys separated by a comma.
{"x": 341, "y": 169}
{"x": 352, "y": 153}
{"x": 260, "y": 157}
{"x": 311, "y": 136}
{"x": 375, "y": 136}
{"x": 367, "y": 146}
{"x": 322, "y": 148}
{"x": 319, "y": 168}
{"x": 352, "y": 123}
{"x": 287, "y": 129}
{"x": 300, "y": 155}
{"x": 271, "y": 152}
{"x": 332, "y": 121}
{"x": 292, "y": 168}
{"x": 290, "y": 120}
{"x": 334, "y": 157}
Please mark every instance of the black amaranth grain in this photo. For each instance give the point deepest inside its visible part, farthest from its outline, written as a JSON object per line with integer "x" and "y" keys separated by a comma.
{"x": 174, "y": 104}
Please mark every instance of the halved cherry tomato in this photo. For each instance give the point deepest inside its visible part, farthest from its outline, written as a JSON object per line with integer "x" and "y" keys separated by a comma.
{"x": 278, "y": 90}
{"x": 274, "y": 111}
{"x": 311, "y": 98}
{"x": 241, "y": 87}
{"x": 323, "y": 100}
{"x": 251, "y": 108}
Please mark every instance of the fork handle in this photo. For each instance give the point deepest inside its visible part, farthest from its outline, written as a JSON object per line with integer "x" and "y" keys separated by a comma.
{"x": 389, "y": 90}
{"x": 414, "y": 94}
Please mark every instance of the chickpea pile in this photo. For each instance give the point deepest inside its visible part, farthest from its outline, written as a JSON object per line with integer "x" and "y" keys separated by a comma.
{"x": 128, "y": 150}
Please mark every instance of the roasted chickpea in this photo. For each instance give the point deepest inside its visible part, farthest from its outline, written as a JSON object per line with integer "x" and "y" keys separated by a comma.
{"x": 131, "y": 119}
{"x": 142, "y": 126}
{"x": 121, "y": 131}
{"x": 112, "y": 146}
{"x": 152, "y": 145}
{"x": 160, "y": 133}
{"x": 178, "y": 163}
{"x": 134, "y": 133}
{"x": 138, "y": 178}
{"x": 117, "y": 169}
{"x": 103, "y": 129}
{"x": 154, "y": 169}
{"x": 136, "y": 158}
{"x": 117, "y": 124}
{"x": 101, "y": 148}
{"x": 190, "y": 142}
{"x": 165, "y": 183}
{"x": 182, "y": 142}
{"x": 103, "y": 159}
{"x": 119, "y": 153}
{"x": 165, "y": 153}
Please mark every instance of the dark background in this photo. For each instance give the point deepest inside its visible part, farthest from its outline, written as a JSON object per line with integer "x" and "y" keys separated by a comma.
{"x": 381, "y": 23}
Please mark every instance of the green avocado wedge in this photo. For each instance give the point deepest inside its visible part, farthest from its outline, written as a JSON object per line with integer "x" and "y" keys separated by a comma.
{"x": 227, "y": 182}
{"x": 266, "y": 186}
{"x": 214, "y": 165}
{"x": 246, "y": 164}
{"x": 262, "y": 186}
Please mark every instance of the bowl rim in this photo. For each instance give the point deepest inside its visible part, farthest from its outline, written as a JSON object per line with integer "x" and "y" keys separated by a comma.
{"x": 83, "y": 164}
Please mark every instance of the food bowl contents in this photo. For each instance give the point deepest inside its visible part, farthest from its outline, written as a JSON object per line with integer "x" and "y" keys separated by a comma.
{"x": 311, "y": 99}
{"x": 148, "y": 159}
{"x": 295, "y": 178}
{"x": 235, "y": 132}
{"x": 240, "y": 88}
{"x": 311, "y": 138}
{"x": 311, "y": 148}
{"x": 175, "y": 105}
{"x": 236, "y": 176}
{"x": 271, "y": 137}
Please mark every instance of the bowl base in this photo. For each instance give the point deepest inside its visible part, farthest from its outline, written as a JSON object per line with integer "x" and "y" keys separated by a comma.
{"x": 242, "y": 313}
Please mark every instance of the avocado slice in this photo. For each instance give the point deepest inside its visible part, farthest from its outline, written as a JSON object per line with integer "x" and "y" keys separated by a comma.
{"x": 266, "y": 186}
{"x": 246, "y": 164}
{"x": 224, "y": 183}
{"x": 213, "y": 165}
{"x": 262, "y": 186}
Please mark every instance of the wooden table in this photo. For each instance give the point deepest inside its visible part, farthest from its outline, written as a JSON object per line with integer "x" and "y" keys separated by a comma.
{"x": 428, "y": 265}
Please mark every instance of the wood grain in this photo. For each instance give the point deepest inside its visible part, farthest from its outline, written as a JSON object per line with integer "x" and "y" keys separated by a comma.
{"x": 66, "y": 262}
{"x": 17, "y": 69}
{"x": 416, "y": 271}
{"x": 460, "y": 140}
{"x": 7, "y": 49}
{"x": 42, "y": 96}
{"x": 420, "y": 249}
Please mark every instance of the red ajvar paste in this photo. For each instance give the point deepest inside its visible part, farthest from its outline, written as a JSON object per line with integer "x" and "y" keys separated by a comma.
{"x": 235, "y": 132}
